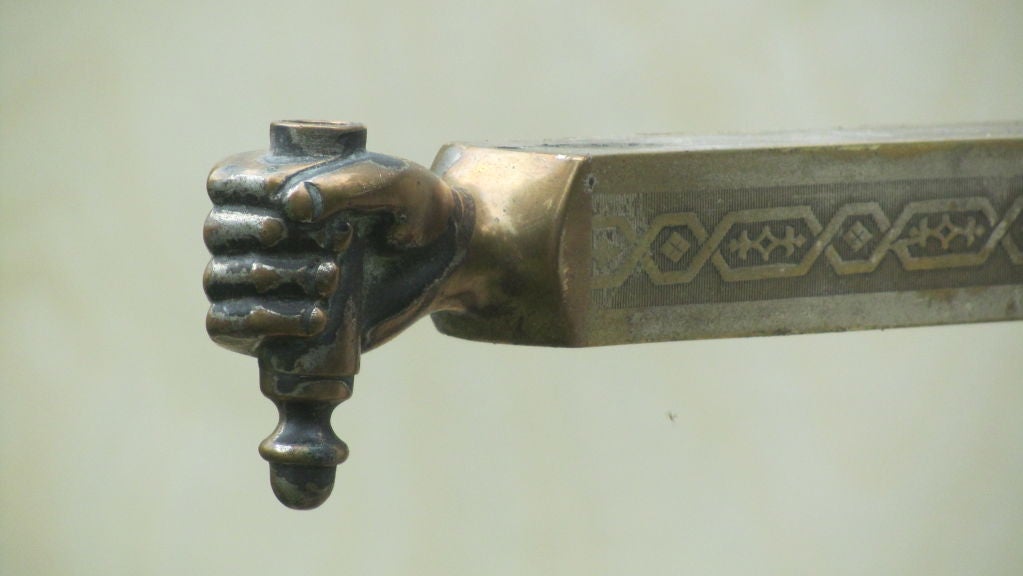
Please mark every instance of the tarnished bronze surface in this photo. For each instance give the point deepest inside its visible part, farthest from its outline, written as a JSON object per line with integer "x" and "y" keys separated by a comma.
{"x": 323, "y": 250}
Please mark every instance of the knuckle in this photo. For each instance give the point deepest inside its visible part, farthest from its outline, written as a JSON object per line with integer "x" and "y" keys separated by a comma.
{"x": 326, "y": 277}
{"x": 210, "y": 279}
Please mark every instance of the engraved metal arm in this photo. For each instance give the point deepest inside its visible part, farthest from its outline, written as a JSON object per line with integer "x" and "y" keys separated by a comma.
{"x": 323, "y": 250}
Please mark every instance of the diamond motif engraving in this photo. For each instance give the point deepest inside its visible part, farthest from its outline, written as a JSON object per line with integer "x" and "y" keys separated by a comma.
{"x": 675, "y": 247}
{"x": 857, "y": 236}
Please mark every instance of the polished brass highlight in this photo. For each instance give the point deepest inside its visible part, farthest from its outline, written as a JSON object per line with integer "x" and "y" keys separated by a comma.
{"x": 323, "y": 250}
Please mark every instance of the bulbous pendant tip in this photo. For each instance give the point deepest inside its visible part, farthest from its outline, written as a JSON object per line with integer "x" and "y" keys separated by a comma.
{"x": 302, "y": 487}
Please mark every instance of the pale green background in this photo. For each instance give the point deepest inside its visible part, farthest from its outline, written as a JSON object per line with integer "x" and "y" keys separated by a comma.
{"x": 128, "y": 440}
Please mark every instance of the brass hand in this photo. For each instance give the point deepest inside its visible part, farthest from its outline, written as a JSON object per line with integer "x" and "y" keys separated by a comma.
{"x": 299, "y": 237}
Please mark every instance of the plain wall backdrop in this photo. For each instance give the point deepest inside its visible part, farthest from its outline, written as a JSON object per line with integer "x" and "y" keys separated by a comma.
{"x": 128, "y": 440}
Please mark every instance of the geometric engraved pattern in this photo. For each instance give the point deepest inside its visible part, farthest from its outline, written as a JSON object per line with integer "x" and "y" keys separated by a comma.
{"x": 857, "y": 236}
{"x": 675, "y": 247}
{"x": 785, "y": 242}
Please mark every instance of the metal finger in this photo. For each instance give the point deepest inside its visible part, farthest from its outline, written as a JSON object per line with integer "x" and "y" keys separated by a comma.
{"x": 251, "y": 178}
{"x": 233, "y": 276}
{"x": 251, "y": 318}
{"x": 229, "y": 230}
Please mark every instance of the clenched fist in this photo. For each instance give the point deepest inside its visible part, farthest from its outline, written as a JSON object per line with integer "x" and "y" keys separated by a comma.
{"x": 301, "y": 233}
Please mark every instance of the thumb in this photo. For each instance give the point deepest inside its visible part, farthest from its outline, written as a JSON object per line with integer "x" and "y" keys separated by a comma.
{"x": 419, "y": 200}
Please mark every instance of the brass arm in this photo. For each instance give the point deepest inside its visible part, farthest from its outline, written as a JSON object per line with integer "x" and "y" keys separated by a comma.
{"x": 322, "y": 250}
